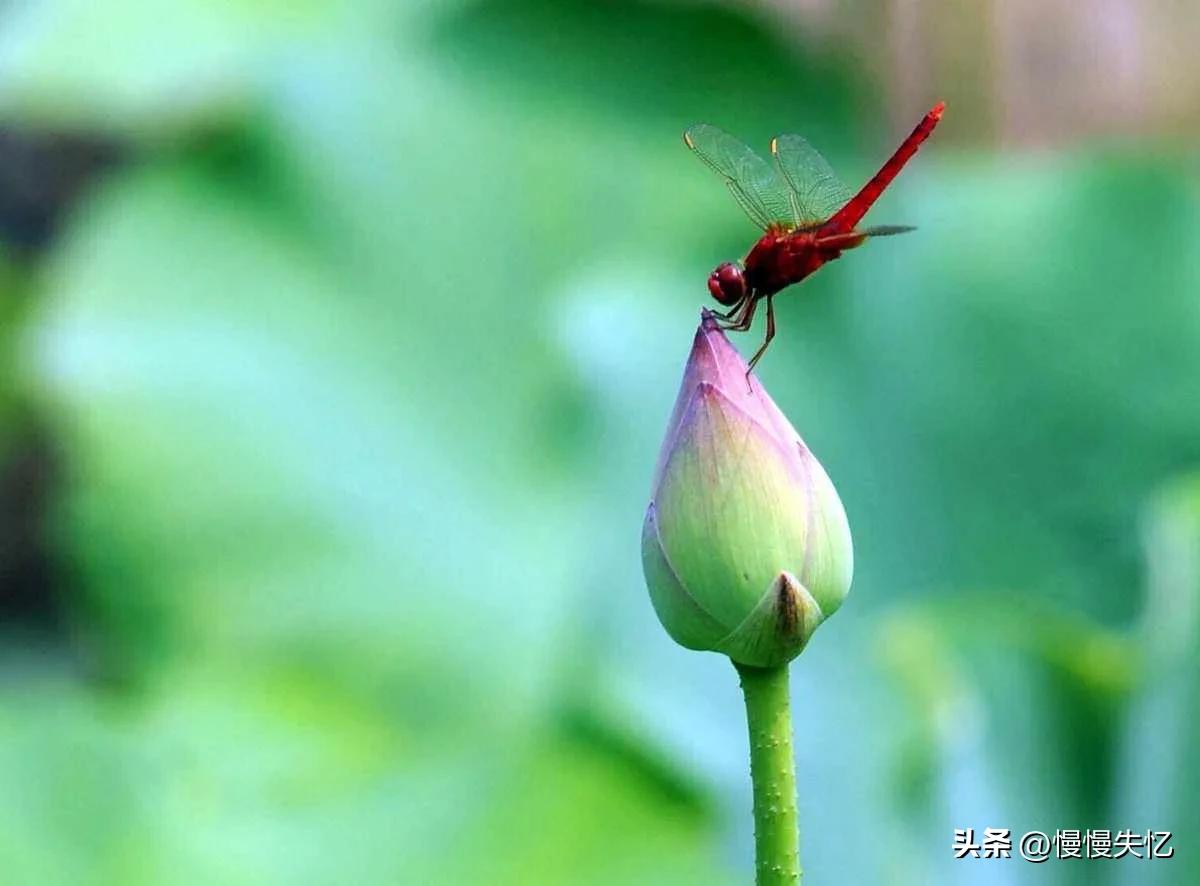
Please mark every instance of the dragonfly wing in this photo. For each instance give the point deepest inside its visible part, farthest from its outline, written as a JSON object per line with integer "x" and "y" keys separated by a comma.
{"x": 756, "y": 184}
{"x": 885, "y": 230}
{"x": 818, "y": 192}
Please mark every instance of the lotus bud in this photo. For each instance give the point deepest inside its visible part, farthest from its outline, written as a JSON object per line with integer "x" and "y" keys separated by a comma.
{"x": 745, "y": 545}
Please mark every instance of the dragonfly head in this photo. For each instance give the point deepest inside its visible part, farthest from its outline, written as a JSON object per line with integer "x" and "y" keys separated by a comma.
{"x": 727, "y": 283}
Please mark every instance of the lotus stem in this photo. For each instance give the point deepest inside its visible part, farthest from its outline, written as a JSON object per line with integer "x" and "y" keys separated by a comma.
{"x": 773, "y": 775}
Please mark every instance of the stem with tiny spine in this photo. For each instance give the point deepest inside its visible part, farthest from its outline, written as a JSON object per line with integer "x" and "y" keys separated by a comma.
{"x": 773, "y": 774}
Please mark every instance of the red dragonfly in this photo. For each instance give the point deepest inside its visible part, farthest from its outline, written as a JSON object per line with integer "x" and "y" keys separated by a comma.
{"x": 807, "y": 214}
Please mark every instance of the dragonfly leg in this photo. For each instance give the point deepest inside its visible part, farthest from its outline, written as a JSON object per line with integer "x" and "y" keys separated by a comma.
{"x": 770, "y": 335}
{"x": 747, "y": 317}
{"x": 741, "y": 323}
{"x": 728, "y": 315}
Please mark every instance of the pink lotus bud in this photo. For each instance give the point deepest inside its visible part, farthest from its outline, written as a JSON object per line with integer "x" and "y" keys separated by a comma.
{"x": 745, "y": 546}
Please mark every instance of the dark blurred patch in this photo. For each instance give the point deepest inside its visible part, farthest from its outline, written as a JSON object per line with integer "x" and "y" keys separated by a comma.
{"x": 42, "y": 175}
{"x": 673, "y": 64}
{"x": 243, "y": 159}
{"x": 604, "y": 736}
{"x": 31, "y": 589}
{"x": 1086, "y": 725}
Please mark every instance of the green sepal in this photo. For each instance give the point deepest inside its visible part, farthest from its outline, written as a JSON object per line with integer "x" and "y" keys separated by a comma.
{"x": 778, "y": 628}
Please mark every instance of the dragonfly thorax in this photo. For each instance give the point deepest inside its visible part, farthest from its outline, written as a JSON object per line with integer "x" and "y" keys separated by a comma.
{"x": 727, "y": 283}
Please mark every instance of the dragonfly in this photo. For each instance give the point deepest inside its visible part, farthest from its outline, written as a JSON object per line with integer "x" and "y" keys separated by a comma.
{"x": 808, "y": 217}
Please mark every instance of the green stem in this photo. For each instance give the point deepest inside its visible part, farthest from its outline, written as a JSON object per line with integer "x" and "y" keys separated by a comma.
{"x": 773, "y": 773}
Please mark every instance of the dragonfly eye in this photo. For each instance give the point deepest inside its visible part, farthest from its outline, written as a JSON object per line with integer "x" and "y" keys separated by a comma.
{"x": 727, "y": 284}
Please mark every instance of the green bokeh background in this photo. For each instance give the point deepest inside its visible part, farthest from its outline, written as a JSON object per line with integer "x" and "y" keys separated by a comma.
{"x": 341, "y": 389}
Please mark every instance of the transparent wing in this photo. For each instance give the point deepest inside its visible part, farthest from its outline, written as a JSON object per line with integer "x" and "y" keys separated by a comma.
{"x": 756, "y": 184}
{"x": 818, "y": 192}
